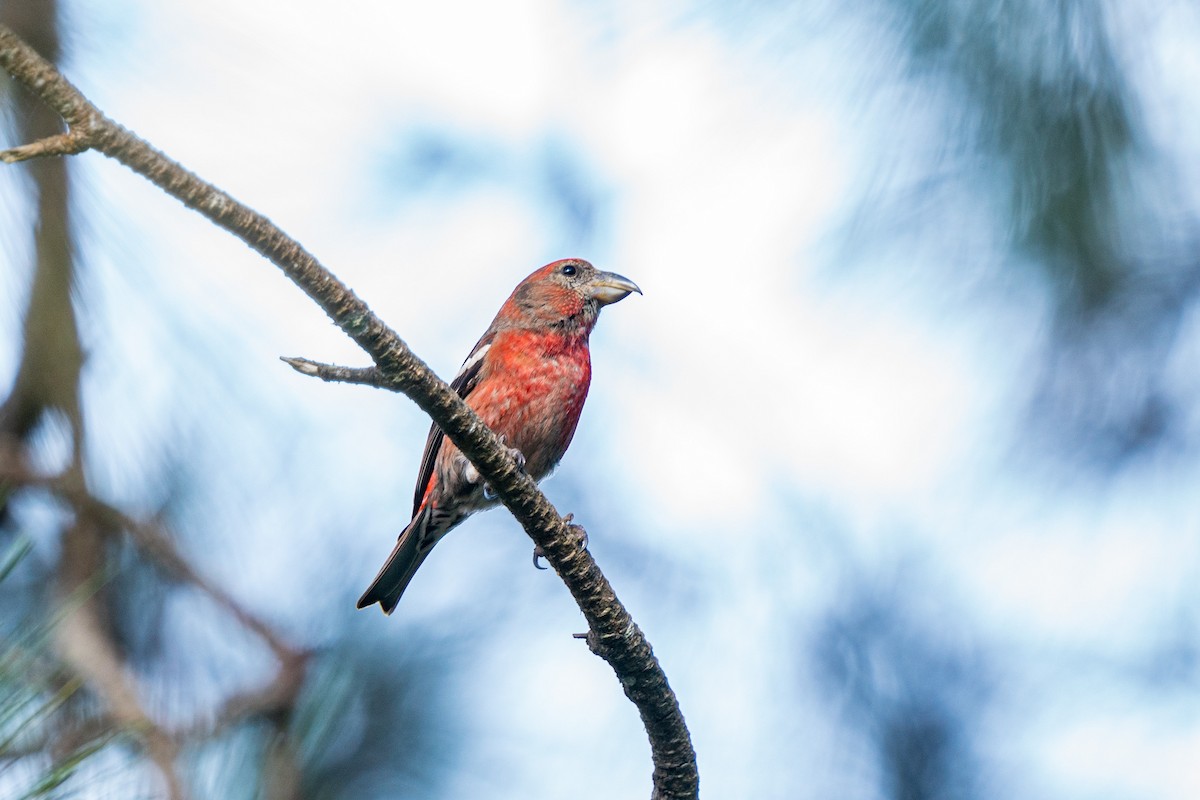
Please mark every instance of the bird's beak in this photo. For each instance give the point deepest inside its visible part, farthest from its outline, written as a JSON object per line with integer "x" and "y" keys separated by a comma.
{"x": 609, "y": 287}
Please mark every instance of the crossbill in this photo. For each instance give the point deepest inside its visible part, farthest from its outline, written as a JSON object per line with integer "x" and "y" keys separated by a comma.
{"x": 527, "y": 379}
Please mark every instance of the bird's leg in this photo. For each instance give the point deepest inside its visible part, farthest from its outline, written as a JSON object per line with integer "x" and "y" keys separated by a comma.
{"x": 574, "y": 528}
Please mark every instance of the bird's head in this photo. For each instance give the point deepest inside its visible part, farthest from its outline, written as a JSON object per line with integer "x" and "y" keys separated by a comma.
{"x": 566, "y": 293}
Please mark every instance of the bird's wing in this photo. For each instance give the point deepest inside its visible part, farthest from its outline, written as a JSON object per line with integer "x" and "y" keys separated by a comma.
{"x": 464, "y": 382}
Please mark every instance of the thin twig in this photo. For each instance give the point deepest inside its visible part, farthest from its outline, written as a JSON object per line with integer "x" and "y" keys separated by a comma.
{"x": 618, "y": 640}
{"x": 367, "y": 376}
{"x": 63, "y": 144}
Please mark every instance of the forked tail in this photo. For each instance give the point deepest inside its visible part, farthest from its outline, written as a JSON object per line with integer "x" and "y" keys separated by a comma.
{"x": 400, "y": 567}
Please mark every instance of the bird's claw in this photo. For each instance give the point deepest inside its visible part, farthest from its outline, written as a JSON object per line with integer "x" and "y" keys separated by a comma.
{"x": 489, "y": 494}
{"x": 516, "y": 454}
{"x": 578, "y": 530}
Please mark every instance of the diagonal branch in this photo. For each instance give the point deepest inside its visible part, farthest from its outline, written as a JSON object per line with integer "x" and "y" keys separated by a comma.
{"x": 613, "y": 634}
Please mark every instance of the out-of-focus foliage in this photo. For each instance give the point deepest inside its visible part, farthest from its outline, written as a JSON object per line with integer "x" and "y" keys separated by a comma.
{"x": 1044, "y": 120}
{"x": 908, "y": 690}
{"x": 47, "y": 732}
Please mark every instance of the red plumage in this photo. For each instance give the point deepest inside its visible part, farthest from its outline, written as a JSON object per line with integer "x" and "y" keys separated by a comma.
{"x": 527, "y": 378}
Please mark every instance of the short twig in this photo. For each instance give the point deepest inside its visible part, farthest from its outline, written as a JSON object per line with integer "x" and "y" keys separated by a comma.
{"x": 368, "y": 376}
{"x": 64, "y": 144}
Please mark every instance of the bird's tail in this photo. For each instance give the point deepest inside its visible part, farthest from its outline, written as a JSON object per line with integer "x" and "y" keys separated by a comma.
{"x": 413, "y": 546}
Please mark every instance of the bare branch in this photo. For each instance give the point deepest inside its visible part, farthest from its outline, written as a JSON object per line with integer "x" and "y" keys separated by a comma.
{"x": 617, "y": 639}
{"x": 63, "y": 144}
{"x": 368, "y": 376}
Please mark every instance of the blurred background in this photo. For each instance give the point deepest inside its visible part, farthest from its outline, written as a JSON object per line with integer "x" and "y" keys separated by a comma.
{"x": 895, "y": 462}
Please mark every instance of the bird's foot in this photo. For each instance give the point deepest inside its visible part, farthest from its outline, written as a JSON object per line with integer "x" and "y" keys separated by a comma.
{"x": 488, "y": 493}
{"x": 516, "y": 454}
{"x": 577, "y": 530}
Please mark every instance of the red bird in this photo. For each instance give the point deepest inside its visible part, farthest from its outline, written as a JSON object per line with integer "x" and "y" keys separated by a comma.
{"x": 527, "y": 379}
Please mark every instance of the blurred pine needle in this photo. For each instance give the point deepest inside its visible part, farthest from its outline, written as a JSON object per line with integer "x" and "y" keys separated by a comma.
{"x": 37, "y": 729}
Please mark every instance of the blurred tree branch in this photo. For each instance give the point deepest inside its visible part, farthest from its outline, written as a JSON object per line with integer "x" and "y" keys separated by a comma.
{"x": 613, "y": 635}
{"x": 82, "y": 639}
{"x": 51, "y": 356}
{"x": 47, "y": 382}
{"x": 150, "y": 539}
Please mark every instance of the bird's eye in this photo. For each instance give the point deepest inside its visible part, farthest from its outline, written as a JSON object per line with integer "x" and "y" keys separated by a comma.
{"x": 569, "y": 270}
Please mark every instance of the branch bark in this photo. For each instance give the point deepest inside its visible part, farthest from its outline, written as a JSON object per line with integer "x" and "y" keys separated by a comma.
{"x": 613, "y": 635}
{"x": 367, "y": 376}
